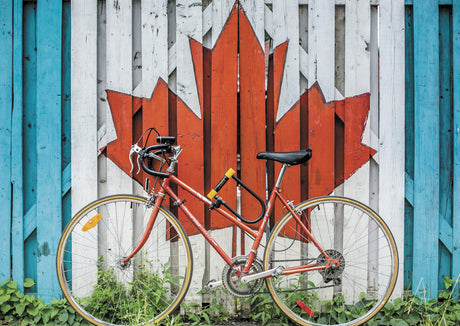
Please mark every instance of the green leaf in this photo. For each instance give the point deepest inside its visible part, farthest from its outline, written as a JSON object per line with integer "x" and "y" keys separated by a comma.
{"x": 46, "y": 317}
{"x": 12, "y": 285}
{"x": 63, "y": 316}
{"x": 5, "y": 308}
{"x": 4, "y": 298}
{"x": 398, "y": 322}
{"x": 20, "y": 307}
{"x": 28, "y": 282}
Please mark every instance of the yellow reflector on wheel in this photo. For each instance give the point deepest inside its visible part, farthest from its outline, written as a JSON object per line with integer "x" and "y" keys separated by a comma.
{"x": 92, "y": 222}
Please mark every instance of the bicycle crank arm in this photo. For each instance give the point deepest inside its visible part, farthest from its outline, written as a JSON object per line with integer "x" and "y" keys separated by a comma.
{"x": 274, "y": 272}
{"x": 213, "y": 284}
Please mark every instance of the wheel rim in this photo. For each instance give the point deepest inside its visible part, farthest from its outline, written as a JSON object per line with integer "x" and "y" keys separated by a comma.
{"x": 353, "y": 233}
{"x": 94, "y": 277}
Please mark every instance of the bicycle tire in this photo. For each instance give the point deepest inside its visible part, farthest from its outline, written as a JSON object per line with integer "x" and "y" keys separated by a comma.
{"x": 99, "y": 286}
{"x": 349, "y": 294}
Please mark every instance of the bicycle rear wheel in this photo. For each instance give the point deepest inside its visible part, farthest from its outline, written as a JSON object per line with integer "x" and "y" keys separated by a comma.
{"x": 103, "y": 289}
{"x": 349, "y": 293}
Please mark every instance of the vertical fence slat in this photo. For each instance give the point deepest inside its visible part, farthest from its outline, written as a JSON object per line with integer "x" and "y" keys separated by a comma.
{"x": 49, "y": 205}
{"x": 391, "y": 124}
{"x": 224, "y": 101}
{"x": 321, "y": 116}
{"x": 357, "y": 65}
{"x": 84, "y": 103}
{"x": 16, "y": 143}
{"x": 6, "y": 99}
{"x": 189, "y": 54}
{"x": 445, "y": 140}
{"x": 189, "y": 73}
{"x": 456, "y": 138}
{"x": 119, "y": 79}
{"x": 30, "y": 147}
{"x": 252, "y": 107}
{"x": 426, "y": 124}
{"x": 287, "y": 98}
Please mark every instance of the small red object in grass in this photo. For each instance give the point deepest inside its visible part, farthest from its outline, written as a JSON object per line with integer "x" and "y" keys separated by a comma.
{"x": 305, "y": 308}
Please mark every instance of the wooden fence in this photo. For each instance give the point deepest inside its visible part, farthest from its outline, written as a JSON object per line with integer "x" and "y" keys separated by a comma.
{"x": 35, "y": 139}
{"x": 432, "y": 213}
{"x": 232, "y": 78}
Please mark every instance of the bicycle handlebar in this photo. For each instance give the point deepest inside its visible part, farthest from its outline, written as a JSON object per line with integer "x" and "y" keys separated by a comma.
{"x": 144, "y": 153}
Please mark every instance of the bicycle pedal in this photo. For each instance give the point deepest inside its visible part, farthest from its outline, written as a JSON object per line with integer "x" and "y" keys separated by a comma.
{"x": 212, "y": 284}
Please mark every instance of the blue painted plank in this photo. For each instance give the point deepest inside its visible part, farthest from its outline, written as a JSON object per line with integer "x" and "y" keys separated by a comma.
{"x": 409, "y": 193}
{"x": 29, "y": 152}
{"x": 409, "y": 141}
{"x": 30, "y": 261}
{"x": 445, "y": 141}
{"x": 49, "y": 106}
{"x": 17, "y": 241}
{"x": 456, "y": 138}
{"x": 6, "y": 100}
{"x": 426, "y": 140}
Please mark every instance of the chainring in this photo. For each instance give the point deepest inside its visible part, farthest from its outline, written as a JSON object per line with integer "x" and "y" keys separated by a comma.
{"x": 232, "y": 281}
{"x": 331, "y": 273}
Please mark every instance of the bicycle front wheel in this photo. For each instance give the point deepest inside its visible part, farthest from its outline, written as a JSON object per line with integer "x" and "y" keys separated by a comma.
{"x": 104, "y": 289}
{"x": 349, "y": 292}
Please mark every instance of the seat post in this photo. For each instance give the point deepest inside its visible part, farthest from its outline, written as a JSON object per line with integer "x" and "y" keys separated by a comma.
{"x": 281, "y": 175}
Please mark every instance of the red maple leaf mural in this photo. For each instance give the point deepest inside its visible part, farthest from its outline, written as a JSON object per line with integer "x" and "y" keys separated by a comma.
{"x": 333, "y": 129}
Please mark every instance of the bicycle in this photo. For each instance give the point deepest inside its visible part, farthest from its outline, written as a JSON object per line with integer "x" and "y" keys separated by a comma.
{"x": 126, "y": 259}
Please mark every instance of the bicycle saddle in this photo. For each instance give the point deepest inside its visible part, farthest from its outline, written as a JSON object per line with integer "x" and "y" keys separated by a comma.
{"x": 291, "y": 158}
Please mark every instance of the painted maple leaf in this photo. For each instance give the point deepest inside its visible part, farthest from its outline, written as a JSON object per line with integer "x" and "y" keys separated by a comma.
{"x": 334, "y": 130}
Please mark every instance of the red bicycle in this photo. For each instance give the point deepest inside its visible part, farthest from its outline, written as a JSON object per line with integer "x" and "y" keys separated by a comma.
{"x": 126, "y": 260}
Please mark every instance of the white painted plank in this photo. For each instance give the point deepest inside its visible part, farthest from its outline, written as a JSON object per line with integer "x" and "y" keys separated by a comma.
{"x": 207, "y": 19}
{"x": 268, "y": 17}
{"x": 188, "y": 16}
{"x": 221, "y": 10}
{"x": 286, "y": 28}
{"x": 154, "y": 45}
{"x": 119, "y": 72}
{"x": 392, "y": 120}
{"x": 254, "y": 10}
{"x": 84, "y": 102}
{"x": 321, "y": 41}
{"x": 357, "y": 40}
{"x": 357, "y": 79}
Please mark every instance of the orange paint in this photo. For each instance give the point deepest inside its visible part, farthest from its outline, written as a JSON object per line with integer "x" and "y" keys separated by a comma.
{"x": 224, "y": 112}
{"x": 252, "y": 116}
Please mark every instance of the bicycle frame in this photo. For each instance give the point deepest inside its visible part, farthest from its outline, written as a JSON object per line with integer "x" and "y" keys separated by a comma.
{"x": 257, "y": 235}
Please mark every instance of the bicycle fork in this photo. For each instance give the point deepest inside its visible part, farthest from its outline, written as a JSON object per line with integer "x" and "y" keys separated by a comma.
{"x": 148, "y": 228}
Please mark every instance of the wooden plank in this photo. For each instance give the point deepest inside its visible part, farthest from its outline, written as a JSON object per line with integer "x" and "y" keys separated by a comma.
{"x": 84, "y": 102}
{"x": 189, "y": 125}
{"x": 409, "y": 151}
{"x": 6, "y": 101}
{"x": 49, "y": 205}
{"x": 391, "y": 97}
{"x": 426, "y": 123}
{"x": 254, "y": 11}
{"x": 287, "y": 92}
{"x": 119, "y": 79}
{"x": 456, "y": 136}
{"x": 252, "y": 106}
{"x": 321, "y": 116}
{"x": 224, "y": 106}
{"x": 357, "y": 82}
{"x": 445, "y": 141}
{"x": 29, "y": 149}
{"x": 189, "y": 105}
{"x": 17, "y": 235}
{"x": 154, "y": 45}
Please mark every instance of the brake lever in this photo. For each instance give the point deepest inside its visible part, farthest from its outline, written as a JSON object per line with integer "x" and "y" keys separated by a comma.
{"x": 134, "y": 149}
